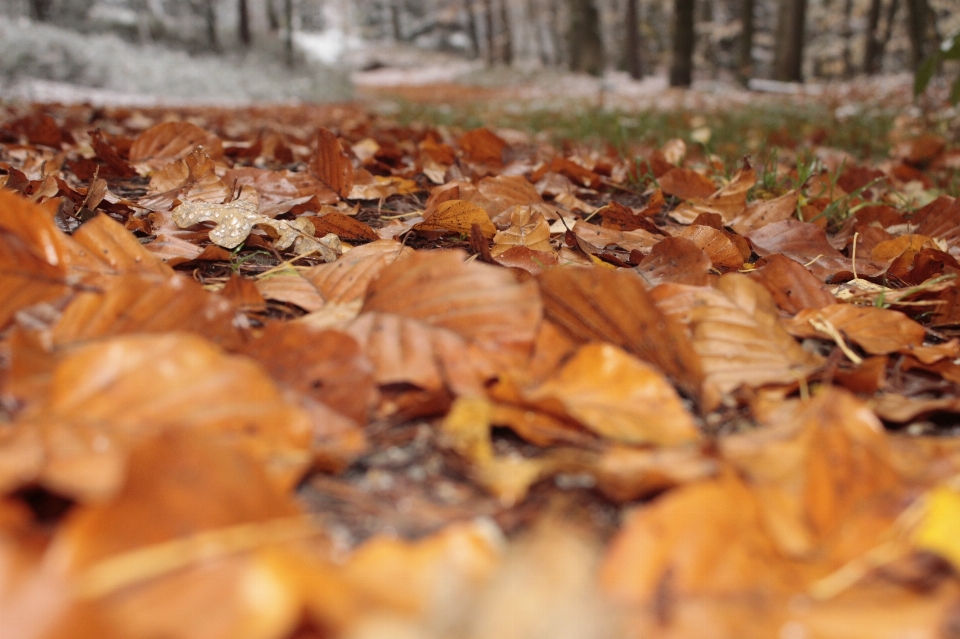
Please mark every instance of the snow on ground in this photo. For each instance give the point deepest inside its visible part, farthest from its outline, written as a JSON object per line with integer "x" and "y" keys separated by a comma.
{"x": 44, "y": 63}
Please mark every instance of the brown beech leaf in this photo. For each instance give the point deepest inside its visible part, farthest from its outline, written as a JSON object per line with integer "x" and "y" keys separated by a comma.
{"x": 34, "y": 256}
{"x": 533, "y": 262}
{"x": 600, "y": 237}
{"x": 326, "y": 365}
{"x": 173, "y": 250}
{"x": 344, "y": 227}
{"x": 618, "y": 397}
{"x": 146, "y": 303}
{"x": 675, "y": 259}
{"x": 482, "y": 146}
{"x": 331, "y": 165}
{"x": 759, "y": 214}
{"x": 405, "y": 351}
{"x": 726, "y": 554}
{"x": 723, "y": 253}
{"x": 291, "y": 288}
{"x": 606, "y": 306}
{"x": 167, "y": 142}
{"x": 728, "y": 202}
{"x": 458, "y": 216}
{"x": 737, "y": 333}
{"x": 889, "y": 250}
{"x": 346, "y": 280}
{"x": 136, "y": 561}
{"x": 527, "y": 228}
{"x": 115, "y": 245}
{"x": 276, "y": 191}
{"x": 878, "y": 331}
{"x": 816, "y": 468}
{"x": 807, "y": 243}
{"x": 194, "y": 178}
{"x": 107, "y": 394}
{"x": 107, "y": 152}
{"x": 792, "y": 286}
{"x": 685, "y": 184}
{"x": 507, "y": 191}
{"x": 482, "y": 303}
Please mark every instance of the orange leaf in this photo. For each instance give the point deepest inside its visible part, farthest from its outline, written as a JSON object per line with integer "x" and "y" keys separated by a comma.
{"x": 618, "y": 397}
{"x": 458, "y": 216}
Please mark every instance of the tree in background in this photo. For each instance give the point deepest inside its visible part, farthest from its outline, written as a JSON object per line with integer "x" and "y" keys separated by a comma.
{"x": 791, "y": 27}
{"x": 506, "y": 37}
{"x": 583, "y": 38}
{"x": 919, "y": 29}
{"x": 745, "y": 53}
{"x": 684, "y": 40}
{"x": 632, "y": 57}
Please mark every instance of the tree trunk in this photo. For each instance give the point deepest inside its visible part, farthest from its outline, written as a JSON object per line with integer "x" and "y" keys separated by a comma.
{"x": 583, "y": 38}
{"x": 560, "y": 51}
{"x": 918, "y": 12}
{"x": 288, "y": 15}
{"x": 472, "y": 28}
{"x": 210, "y": 18}
{"x": 506, "y": 36}
{"x": 244, "y": 29}
{"x": 395, "y": 24}
{"x": 745, "y": 62}
{"x": 847, "y": 28}
{"x": 684, "y": 40}
{"x": 632, "y": 55}
{"x": 42, "y": 10}
{"x": 788, "y": 58}
{"x": 871, "y": 47}
{"x": 491, "y": 35}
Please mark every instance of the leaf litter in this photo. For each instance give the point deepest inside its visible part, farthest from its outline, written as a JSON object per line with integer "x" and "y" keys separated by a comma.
{"x": 302, "y": 373}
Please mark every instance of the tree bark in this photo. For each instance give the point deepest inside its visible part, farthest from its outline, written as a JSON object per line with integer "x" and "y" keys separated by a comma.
{"x": 583, "y": 38}
{"x": 288, "y": 44}
{"x": 491, "y": 34}
{"x": 791, "y": 25}
{"x": 632, "y": 54}
{"x": 506, "y": 35}
{"x": 745, "y": 61}
{"x": 244, "y": 28}
{"x": 847, "y": 28}
{"x": 918, "y": 12}
{"x": 684, "y": 40}
{"x": 395, "y": 24}
{"x": 871, "y": 47}
{"x": 472, "y": 28}
{"x": 210, "y": 18}
{"x": 42, "y": 10}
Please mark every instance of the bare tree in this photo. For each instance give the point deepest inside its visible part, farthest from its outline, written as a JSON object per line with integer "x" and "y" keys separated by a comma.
{"x": 41, "y": 10}
{"x": 918, "y": 27}
{"x": 583, "y": 38}
{"x": 877, "y": 43}
{"x": 791, "y": 27}
{"x": 684, "y": 40}
{"x": 472, "y": 31}
{"x": 491, "y": 34}
{"x": 506, "y": 36}
{"x": 243, "y": 11}
{"x": 745, "y": 54}
{"x": 632, "y": 56}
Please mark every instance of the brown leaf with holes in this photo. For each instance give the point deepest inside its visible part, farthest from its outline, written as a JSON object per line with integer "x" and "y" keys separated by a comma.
{"x": 527, "y": 229}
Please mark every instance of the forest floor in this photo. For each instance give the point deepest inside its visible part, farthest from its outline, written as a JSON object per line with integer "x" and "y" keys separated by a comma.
{"x": 480, "y": 356}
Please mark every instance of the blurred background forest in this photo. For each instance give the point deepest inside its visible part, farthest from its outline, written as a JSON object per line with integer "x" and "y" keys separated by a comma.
{"x": 312, "y": 49}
